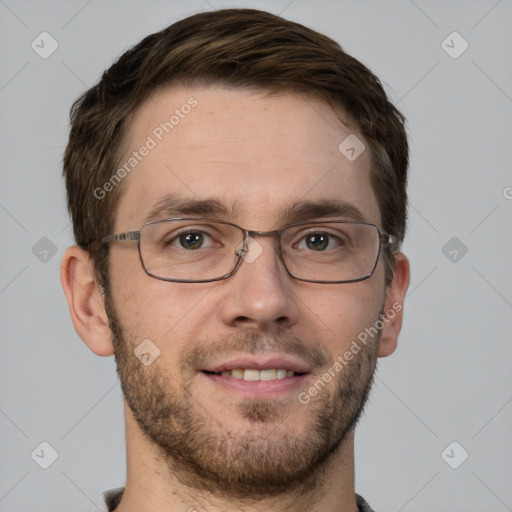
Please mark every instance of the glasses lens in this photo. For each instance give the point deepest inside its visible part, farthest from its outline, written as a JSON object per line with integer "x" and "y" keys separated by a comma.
{"x": 189, "y": 250}
{"x": 330, "y": 252}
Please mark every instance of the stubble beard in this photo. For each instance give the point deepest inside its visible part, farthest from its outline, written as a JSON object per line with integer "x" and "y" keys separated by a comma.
{"x": 273, "y": 455}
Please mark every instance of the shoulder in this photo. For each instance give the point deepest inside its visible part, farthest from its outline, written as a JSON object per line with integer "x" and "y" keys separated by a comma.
{"x": 109, "y": 500}
{"x": 362, "y": 505}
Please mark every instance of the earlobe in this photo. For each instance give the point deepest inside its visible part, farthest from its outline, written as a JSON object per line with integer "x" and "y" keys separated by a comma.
{"x": 85, "y": 301}
{"x": 393, "y": 306}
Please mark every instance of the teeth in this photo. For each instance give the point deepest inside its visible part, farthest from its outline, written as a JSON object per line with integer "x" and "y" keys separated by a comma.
{"x": 253, "y": 375}
{"x": 281, "y": 373}
{"x": 238, "y": 374}
{"x": 268, "y": 374}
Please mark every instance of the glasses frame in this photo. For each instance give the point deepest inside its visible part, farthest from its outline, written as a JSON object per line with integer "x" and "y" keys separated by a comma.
{"x": 385, "y": 240}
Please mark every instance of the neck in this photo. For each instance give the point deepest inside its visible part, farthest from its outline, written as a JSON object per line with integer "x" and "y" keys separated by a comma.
{"x": 153, "y": 485}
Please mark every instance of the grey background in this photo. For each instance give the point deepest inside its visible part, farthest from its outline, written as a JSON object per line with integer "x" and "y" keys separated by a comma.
{"x": 450, "y": 377}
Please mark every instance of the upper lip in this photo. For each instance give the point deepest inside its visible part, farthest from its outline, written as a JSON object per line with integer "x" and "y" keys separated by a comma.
{"x": 261, "y": 362}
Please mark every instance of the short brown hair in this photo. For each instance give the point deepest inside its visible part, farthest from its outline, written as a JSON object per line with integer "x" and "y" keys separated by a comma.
{"x": 243, "y": 48}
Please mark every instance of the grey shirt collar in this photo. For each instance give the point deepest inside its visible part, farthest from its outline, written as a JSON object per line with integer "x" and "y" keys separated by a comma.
{"x": 110, "y": 499}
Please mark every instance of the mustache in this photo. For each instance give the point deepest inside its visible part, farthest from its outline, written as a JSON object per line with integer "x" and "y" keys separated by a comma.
{"x": 253, "y": 341}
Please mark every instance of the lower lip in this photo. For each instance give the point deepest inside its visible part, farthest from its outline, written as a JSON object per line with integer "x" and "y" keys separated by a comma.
{"x": 258, "y": 388}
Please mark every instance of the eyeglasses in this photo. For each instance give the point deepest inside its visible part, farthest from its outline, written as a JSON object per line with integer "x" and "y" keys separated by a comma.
{"x": 200, "y": 250}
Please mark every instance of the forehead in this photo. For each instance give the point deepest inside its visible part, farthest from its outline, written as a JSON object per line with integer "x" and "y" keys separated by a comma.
{"x": 256, "y": 155}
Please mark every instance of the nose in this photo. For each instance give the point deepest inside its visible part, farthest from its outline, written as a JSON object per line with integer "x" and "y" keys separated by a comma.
{"x": 259, "y": 294}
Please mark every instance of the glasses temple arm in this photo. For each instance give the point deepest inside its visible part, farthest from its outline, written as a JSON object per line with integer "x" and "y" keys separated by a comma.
{"x": 389, "y": 241}
{"x": 119, "y": 237}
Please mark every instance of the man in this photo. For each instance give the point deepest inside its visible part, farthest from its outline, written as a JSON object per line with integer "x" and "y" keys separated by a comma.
{"x": 237, "y": 185}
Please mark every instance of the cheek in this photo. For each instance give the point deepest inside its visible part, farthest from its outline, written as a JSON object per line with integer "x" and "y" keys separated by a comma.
{"x": 137, "y": 306}
{"x": 147, "y": 308}
{"x": 341, "y": 314}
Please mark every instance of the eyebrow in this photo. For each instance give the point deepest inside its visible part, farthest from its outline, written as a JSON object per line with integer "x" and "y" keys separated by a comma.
{"x": 172, "y": 206}
{"x": 306, "y": 210}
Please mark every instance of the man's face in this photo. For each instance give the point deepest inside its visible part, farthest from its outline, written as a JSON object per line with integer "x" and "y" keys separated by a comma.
{"x": 258, "y": 157}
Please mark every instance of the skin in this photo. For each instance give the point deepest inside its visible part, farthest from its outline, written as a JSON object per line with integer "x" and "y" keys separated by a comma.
{"x": 266, "y": 152}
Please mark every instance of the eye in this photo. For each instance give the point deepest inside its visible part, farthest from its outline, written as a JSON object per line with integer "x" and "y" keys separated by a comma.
{"x": 319, "y": 241}
{"x": 191, "y": 240}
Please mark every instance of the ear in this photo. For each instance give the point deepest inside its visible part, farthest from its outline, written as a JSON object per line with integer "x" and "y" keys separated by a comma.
{"x": 393, "y": 306}
{"x": 85, "y": 301}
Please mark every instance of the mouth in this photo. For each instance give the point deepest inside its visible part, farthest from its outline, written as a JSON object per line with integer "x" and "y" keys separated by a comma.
{"x": 258, "y": 377}
{"x": 253, "y": 374}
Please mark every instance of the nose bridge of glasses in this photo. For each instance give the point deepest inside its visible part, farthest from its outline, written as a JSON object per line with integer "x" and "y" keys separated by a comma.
{"x": 251, "y": 233}
{"x": 275, "y": 233}
{"x": 249, "y": 244}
